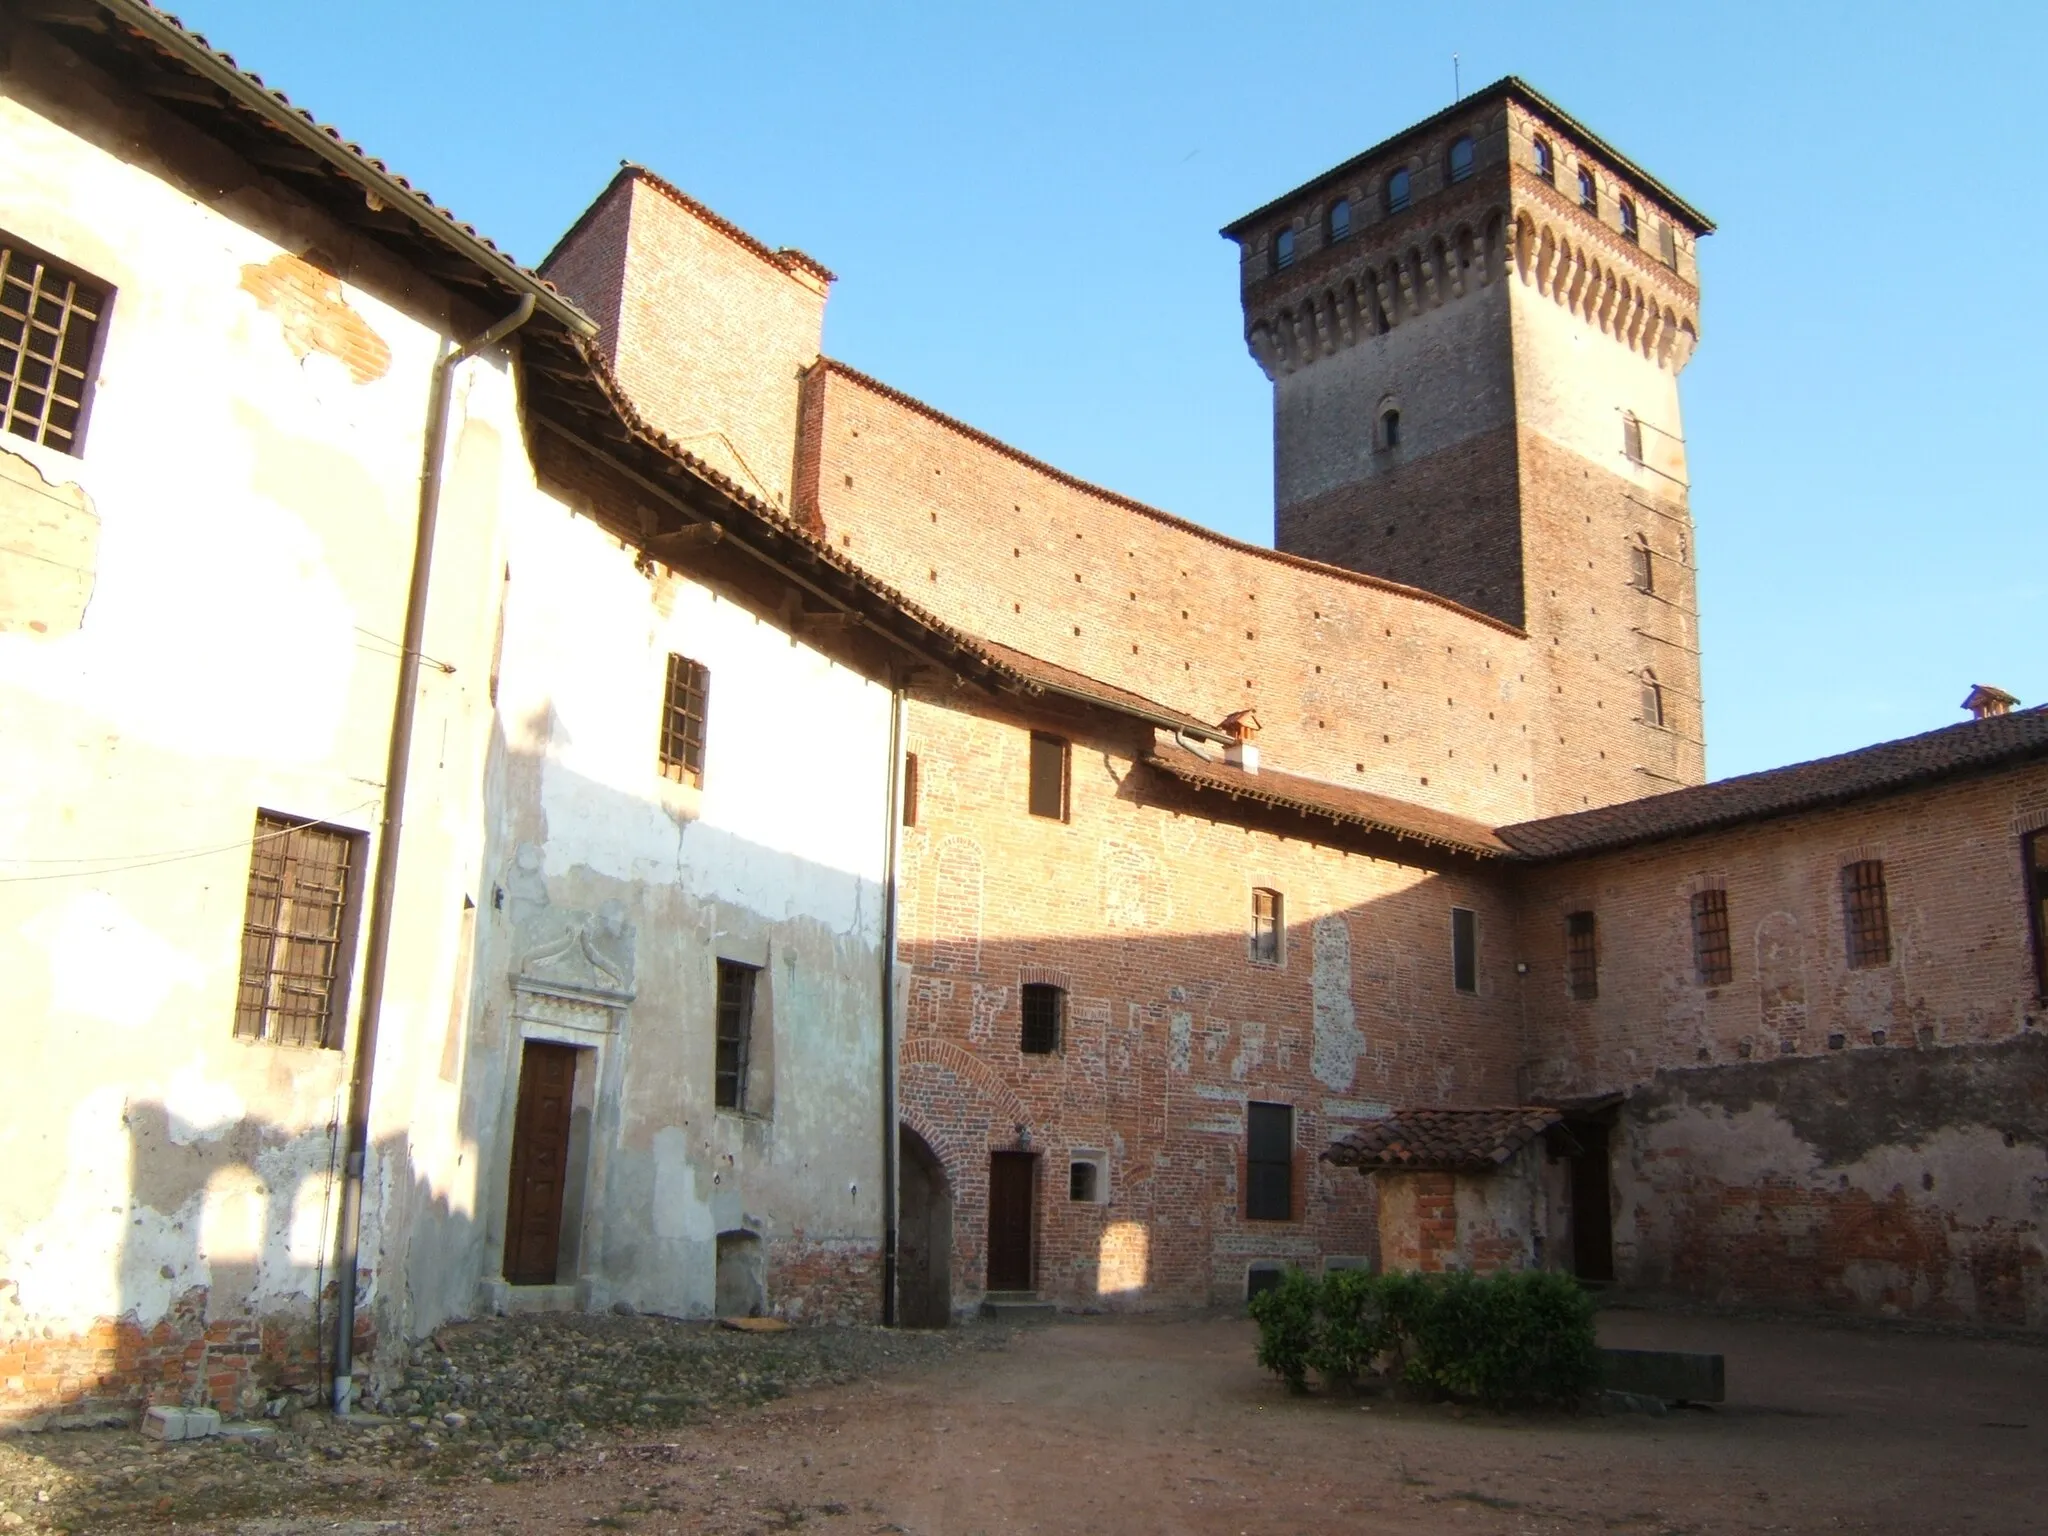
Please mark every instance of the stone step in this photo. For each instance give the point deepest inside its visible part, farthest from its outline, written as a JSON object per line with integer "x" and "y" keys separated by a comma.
{"x": 1017, "y": 1307}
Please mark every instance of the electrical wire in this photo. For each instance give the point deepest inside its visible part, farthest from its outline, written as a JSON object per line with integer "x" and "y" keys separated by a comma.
{"x": 151, "y": 860}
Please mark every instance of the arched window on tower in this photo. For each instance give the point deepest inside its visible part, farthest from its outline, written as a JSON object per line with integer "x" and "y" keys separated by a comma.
{"x": 1628, "y": 219}
{"x": 1461, "y": 157}
{"x": 1546, "y": 166}
{"x": 1589, "y": 191}
{"x": 1653, "y": 700}
{"x": 1283, "y": 249}
{"x": 1397, "y": 190}
{"x": 1642, "y": 573}
{"x": 1340, "y": 220}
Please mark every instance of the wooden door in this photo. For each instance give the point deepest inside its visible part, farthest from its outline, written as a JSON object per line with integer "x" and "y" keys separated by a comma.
{"x": 540, "y": 1163}
{"x": 1592, "y": 1214}
{"x": 1010, "y": 1189}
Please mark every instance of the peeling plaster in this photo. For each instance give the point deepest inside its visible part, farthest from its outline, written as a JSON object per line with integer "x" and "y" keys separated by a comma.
{"x": 1338, "y": 1040}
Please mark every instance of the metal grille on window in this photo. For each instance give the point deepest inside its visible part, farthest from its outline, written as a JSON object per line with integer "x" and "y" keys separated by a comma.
{"x": 1582, "y": 955}
{"x": 2037, "y": 891}
{"x": 682, "y": 721}
{"x": 1044, "y": 1009}
{"x": 295, "y": 931}
{"x": 1266, "y": 921}
{"x": 735, "y": 1031}
{"x": 1712, "y": 958}
{"x": 1866, "y": 918}
{"x": 1269, "y": 1162}
{"x": 49, "y": 327}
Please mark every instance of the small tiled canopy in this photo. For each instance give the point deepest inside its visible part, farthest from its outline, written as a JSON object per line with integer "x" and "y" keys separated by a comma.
{"x": 1442, "y": 1140}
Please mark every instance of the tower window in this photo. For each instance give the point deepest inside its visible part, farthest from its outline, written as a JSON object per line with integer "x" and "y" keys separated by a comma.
{"x": 1267, "y": 926}
{"x": 1632, "y": 437}
{"x": 1628, "y": 218}
{"x": 1642, "y": 571}
{"x": 1712, "y": 957}
{"x": 1589, "y": 193}
{"x": 49, "y": 346}
{"x": 1866, "y": 914}
{"x": 1048, "y": 776}
{"x": 1283, "y": 249}
{"x": 1581, "y": 956}
{"x": 1464, "y": 949}
{"x": 1653, "y": 699}
{"x": 1546, "y": 166}
{"x": 1045, "y": 1014}
{"x": 1340, "y": 220}
{"x": 1667, "y": 244}
{"x": 1461, "y": 157}
{"x": 1397, "y": 190}
{"x": 1390, "y": 428}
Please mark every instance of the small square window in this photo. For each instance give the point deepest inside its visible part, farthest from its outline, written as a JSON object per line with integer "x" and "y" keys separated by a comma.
{"x": 1045, "y": 1015}
{"x": 1049, "y": 756}
{"x": 1268, "y": 924}
{"x": 1866, "y": 914}
{"x": 685, "y": 703}
{"x": 1464, "y": 949}
{"x": 1088, "y": 1178}
{"x": 50, "y": 319}
{"x": 1581, "y": 956}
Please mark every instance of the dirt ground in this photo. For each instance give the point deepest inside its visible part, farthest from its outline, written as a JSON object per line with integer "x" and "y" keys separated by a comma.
{"x": 1108, "y": 1425}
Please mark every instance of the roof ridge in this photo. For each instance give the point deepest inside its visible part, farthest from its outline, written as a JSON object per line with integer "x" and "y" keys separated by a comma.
{"x": 1173, "y": 520}
{"x": 782, "y": 256}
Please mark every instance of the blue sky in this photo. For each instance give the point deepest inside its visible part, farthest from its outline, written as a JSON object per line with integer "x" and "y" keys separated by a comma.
{"x": 1022, "y": 203}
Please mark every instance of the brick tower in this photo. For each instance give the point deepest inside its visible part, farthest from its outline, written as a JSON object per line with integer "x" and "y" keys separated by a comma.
{"x": 1474, "y": 332}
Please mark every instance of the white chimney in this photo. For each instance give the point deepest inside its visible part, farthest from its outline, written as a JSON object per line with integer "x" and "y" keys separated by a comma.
{"x": 1243, "y": 730}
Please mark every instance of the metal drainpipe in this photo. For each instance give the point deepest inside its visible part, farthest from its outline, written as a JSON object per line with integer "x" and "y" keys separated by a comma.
{"x": 894, "y": 831}
{"x": 362, "y": 1066}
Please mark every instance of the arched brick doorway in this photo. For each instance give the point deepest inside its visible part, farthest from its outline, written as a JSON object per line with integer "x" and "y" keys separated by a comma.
{"x": 924, "y": 1236}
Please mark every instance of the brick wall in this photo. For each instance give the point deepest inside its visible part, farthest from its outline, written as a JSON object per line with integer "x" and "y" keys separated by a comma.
{"x": 1140, "y": 907}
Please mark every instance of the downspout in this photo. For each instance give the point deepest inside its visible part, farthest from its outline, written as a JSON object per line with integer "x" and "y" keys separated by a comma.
{"x": 894, "y": 833}
{"x": 377, "y": 951}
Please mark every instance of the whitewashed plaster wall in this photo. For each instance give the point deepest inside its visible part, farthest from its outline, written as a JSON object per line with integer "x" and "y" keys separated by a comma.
{"x": 239, "y": 527}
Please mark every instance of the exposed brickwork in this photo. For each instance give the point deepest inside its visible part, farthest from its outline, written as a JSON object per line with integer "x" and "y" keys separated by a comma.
{"x": 814, "y": 1281}
{"x": 304, "y": 293}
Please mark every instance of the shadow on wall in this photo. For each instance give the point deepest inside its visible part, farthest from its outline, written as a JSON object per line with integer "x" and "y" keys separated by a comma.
{"x": 222, "y": 1278}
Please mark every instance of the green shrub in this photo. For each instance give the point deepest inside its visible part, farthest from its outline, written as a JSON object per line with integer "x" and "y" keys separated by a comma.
{"x": 1286, "y": 1316}
{"x": 1517, "y": 1336}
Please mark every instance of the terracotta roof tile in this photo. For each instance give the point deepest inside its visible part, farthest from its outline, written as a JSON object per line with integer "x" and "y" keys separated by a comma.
{"x": 1890, "y": 766}
{"x": 1340, "y": 803}
{"x": 1442, "y": 1140}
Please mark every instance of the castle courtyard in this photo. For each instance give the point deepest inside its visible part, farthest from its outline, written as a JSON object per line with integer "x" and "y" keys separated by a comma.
{"x": 1166, "y": 1425}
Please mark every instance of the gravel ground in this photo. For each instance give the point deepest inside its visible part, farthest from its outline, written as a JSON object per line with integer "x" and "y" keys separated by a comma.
{"x": 500, "y": 1400}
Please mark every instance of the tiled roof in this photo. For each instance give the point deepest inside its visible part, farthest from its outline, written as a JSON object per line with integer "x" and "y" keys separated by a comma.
{"x": 1051, "y": 677}
{"x": 1130, "y": 504}
{"x": 785, "y": 257}
{"x": 1337, "y": 802}
{"x": 1972, "y": 746}
{"x": 1442, "y": 1140}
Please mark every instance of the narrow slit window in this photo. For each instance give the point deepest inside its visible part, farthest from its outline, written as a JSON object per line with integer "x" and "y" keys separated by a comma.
{"x": 1267, "y": 926}
{"x": 1045, "y": 1016}
{"x": 1390, "y": 429}
{"x": 298, "y": 930}
{"x": 1582, "y": 955}
{"x": 1464, "y": 949}
{"x": 1462, "y": 158}
{"x": 1866, "y": 914}
{"x": 1653, "y": 700}
{"x": 1397, "y": 191}
{"x": 1632, "y": 437}
{"x": 686, "y": 700}
{"x": 1712, "y": 958}
{"x": 50, "y": 318}
{"x": 910, "y": 788}
{"x": 1642, "y": 571}
{"x": 1269, "y": 1162}
{"x": 735, "y": 1032}
{"x": 1049, "y": 756}
{"x": 2035, "y": 849}
{"x": 1340, "y": 220}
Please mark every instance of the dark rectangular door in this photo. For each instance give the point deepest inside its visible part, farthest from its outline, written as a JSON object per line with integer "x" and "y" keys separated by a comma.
{"x": 1592, "y": 1215}
{"x": 540, "y": 1163}
{"x": 1010, "y": 1188}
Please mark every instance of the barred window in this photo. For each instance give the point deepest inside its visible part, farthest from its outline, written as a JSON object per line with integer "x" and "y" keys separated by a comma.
{"x": 298, "y": 933}
{"x": 1712, "y": 958}
{"x": 49, "y": 344}
{"x": 683, "y": 710}
{"x": 735, "y": 1033}
{"x": 1866, "y": 918}
{"x": 1045, "y": 1012}
{"x": 1267, "y": 924}
{"x": 2036, "y": 853}
{"x": 1581, "y": 955}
